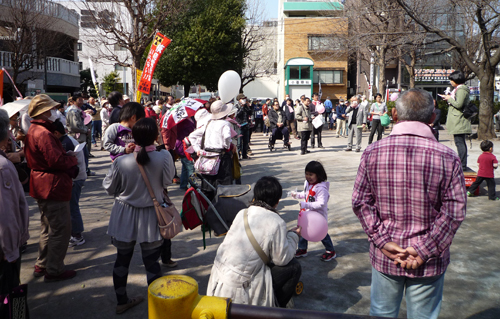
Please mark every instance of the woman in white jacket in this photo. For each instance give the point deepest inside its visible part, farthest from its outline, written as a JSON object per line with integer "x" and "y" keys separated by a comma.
{"x": 239, "y": 273}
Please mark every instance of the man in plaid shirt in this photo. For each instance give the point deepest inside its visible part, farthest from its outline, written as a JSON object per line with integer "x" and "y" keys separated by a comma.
{"x": 410, "y": 198}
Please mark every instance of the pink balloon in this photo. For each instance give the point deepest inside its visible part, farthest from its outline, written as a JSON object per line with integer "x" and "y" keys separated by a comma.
{"x": 394, "y": 96}
{"x": 314, "y": 225}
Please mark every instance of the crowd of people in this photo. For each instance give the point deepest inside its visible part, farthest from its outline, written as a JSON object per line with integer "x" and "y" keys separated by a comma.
{"x": 46, "y": 152}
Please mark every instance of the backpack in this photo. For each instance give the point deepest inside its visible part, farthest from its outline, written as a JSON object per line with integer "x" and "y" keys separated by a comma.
{"x": 194, "y": 208}
{"x": 470, "y": 110}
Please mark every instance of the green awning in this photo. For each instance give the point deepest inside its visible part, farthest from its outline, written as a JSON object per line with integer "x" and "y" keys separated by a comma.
{"x": 312, "y": 6}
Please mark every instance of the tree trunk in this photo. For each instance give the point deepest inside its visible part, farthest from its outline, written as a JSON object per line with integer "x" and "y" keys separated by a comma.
{"x": 486, "y": 129}
{"x": 187, "y": 87}
{"x": 381, "y": 70}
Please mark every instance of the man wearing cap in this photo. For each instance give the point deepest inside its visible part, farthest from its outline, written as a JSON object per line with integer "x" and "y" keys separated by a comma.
{"x": 242, "y": 116}
{"x": 341, "y": 117}
{"x": 51, "y": 182}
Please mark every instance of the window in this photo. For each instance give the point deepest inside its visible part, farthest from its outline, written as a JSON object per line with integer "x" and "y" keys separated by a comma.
{"x": 328, "y": 77}
{"x": 323, "y": 43}
{"x": 294, "y": 72}
{"x": 118, "y": 67}
{"x": 305, "y": 72}
{"x": 80, "y": 64}
{"x": 79, "y": 46}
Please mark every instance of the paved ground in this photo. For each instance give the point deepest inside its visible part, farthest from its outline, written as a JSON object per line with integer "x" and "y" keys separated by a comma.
{"x": 472, "y": 282}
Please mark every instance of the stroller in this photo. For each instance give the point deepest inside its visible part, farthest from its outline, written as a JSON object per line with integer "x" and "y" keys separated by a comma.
{"x": 217, "y": 214}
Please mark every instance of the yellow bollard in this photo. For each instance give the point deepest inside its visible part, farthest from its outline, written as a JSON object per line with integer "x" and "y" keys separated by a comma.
{"x": 176, "y": 297}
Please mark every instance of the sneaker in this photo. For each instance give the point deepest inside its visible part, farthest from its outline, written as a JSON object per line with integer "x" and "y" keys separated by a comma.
{"x": 130, "y": 303}
{"x": 39, "y": 271}
{"x": 469, "y": 194}
{"x": 170, "y": 264}
{"x": 347, "y": 149}
{"x": 300, "y": 253}
{"x": 358, "y": 150}
{"x": 73, "y": 241}
{"x": 338, "y": 136}
{"x": 68, "y": 274}
{"x": 329, "y": 255}
{"x": 176, "y": 180}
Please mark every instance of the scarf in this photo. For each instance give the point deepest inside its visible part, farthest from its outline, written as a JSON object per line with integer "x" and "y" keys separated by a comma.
{"x": 262, "y": 204}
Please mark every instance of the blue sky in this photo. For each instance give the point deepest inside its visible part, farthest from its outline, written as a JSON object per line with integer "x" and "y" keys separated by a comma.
{"x": 271, "y": 8}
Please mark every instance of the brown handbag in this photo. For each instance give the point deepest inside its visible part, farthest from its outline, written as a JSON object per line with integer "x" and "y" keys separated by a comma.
{"x": 169, "y": 219}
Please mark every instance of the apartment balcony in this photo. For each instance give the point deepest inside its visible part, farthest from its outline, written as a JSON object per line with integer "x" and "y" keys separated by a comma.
{"x": 60, "y": 72}
{"x": 64, "y": 20}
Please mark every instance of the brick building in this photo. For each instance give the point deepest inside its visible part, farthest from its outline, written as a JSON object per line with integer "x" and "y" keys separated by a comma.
{"x": 309, "y": 52}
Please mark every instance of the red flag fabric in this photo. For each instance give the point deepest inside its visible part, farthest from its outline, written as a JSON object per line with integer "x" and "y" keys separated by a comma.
{"x": 159, "y": 44}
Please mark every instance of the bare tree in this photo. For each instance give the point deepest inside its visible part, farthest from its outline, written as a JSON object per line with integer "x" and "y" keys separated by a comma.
{"x": 259, "y": 42}
{"x": 120, "y": 31}
{"x": 374, "y": 31}
{"x": 472, "y": 31}
{"x": 30, "y": 38}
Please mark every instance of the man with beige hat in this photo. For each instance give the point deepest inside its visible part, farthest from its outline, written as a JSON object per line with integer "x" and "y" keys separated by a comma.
{"x": 52, "y": 170}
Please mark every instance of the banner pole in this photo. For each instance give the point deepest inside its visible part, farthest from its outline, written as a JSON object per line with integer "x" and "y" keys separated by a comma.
{"x": 20, "y": 95}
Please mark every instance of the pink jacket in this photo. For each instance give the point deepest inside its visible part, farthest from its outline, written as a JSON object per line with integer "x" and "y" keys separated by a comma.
{"x": 320, "y": 195}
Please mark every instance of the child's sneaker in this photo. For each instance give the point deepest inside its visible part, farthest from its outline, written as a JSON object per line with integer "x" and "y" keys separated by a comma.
{"x": 73, "y": 241}
{"x": 328, "y": 255}
{"x": 469, "y": 194}
{"x": 300, "y": 253}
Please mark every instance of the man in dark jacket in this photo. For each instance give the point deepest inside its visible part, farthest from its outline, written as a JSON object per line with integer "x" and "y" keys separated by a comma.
{"x": 341, "y": 118}
{"x": 52, "y": 170}
{"x": 278, "y": 127}
{"x": 290, "y": 117}
{"x": 242, "y": 117}
{"x": 116, "y": 100}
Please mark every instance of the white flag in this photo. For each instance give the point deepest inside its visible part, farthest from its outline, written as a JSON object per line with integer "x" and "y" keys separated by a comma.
{"x": 319, "y": 92}
{"x": 91, "y": 65}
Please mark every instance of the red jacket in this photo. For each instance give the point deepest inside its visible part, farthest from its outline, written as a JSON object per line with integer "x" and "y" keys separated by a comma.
{"x": 50, "y": 166}
{"x": 151, "y": 113}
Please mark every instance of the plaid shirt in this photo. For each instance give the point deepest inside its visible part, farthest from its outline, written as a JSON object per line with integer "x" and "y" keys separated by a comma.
{"x": 410, "y": 190}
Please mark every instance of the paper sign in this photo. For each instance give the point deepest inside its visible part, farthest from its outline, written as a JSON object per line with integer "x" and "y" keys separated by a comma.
{"x": 80, "y": 147}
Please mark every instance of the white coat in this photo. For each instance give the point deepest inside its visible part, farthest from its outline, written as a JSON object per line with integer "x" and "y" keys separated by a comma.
{"x": 238, "y": 272}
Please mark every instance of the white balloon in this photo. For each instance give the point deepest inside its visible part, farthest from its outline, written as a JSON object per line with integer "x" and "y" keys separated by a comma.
{"x": 229, "y": 85}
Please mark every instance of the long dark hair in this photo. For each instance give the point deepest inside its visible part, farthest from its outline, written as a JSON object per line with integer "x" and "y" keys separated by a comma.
{"x": 145, "y": 133}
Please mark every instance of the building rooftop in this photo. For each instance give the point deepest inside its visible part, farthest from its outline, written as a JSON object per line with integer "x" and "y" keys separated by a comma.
{"x": 304, "y": 6}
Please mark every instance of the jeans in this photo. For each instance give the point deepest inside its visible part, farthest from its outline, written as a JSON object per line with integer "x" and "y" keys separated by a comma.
{"x": 317, "y": 132}
{"x": 491, "y": 186}
{"x": 96, "y": 130}
{"x": 461, "y": 149}
{"x": 327, "y": 242}
{"x": 187, "y": 170}
{"x": 423, "y": 295}
{"x": 330, "y": 120}
{"x": 376, "y": 127}
{"x": 285, "y": 279}
{"x": 74, "y": 206}
{"x": 279, "y": 132}
{"x": 266, "y": 130}
{"x": 304, "y": 138}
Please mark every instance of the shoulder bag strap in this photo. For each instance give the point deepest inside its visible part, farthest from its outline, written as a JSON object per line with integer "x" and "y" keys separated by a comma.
{"x": 146, "y": 180}
{"x": 253, "y": 241}
{"x": 203, "y": 137}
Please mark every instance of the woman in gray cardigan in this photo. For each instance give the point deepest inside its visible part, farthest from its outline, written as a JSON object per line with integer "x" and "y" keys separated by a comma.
{"x": 133, "y": 217}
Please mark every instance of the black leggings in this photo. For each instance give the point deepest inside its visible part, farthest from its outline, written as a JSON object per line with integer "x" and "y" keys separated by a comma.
{"x": 285, "y": 279}
{"x": 376, "y": 127}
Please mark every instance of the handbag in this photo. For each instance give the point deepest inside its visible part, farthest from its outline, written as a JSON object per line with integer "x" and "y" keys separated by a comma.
{"x": 385, "y": 120}
{"x": 15, "y": 304}
{"x": 169, "y": 219}
{"x": 207, "y": 164}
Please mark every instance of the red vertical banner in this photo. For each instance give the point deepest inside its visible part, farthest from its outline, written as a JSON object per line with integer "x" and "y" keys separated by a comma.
{"x": 159, "y": 44}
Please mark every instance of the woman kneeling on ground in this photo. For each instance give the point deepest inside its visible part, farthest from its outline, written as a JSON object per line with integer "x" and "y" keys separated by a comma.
{"x": 239, "y": 272}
